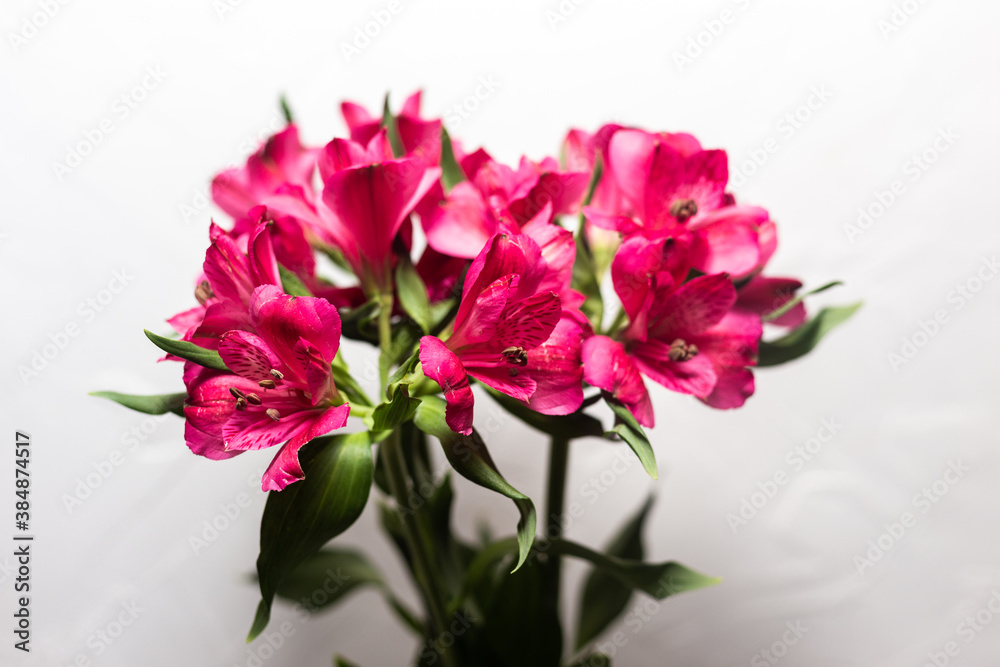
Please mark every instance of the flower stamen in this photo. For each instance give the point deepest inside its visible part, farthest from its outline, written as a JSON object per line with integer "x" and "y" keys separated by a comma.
{"x": 681, "y": 351}
{"x": 682, "y": 209}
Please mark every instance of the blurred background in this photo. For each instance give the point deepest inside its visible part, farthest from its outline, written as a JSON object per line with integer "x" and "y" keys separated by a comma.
{"x": 868, "y": 129}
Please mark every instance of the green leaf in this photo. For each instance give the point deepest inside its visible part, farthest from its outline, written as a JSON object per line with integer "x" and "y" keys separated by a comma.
{"x": 292, "y": 284}
{"x": 659, "y": 580}
{"x": 576, "y": 425}
{"x": 189, "y": 351}
{"x": 403, "y": 370}
{"x": 327, "y": 577}
{"x": 451, "y": 172}
{"x": 345, "y": 382}
{"x": 341, "y": 661}
{"x": 585, "y": 281}
{"x": 392, "y": 129}
{"x": 470, "y": 458}
{"x": 286, "y": 110}
{"x": 521, "y": 627}
{"x": 791, "y": 303}
{"x": 152, "y": 405}
{"x": 413, "y": 294}
{"x": 307, "y": 514}
{"x": 359, "y": 323}
{"x": 803, "y": 339}
{"x": 629, "y": 430}
{"x": 394, "y": 412}
{"x": 604, "y": 596}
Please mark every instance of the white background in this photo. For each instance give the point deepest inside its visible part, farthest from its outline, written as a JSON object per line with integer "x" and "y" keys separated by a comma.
{"x": 889, "y": 96}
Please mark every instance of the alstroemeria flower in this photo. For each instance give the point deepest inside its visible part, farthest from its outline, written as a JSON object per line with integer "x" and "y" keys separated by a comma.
{"x": 509, "y": 335}
{"x": 282, "y": 391}
{"x": 667, "y": 185}
{"x": 686, "y": 336}
{"x": 420, "y": 138}
{"x": 367, "y": 198}
{"x": 280, "y": 164}
{"x": 497, "y": 199}
{"x": 233, "y": 269}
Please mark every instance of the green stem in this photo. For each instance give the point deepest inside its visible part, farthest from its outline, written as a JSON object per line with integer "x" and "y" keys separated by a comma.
{"x": 398, "y": 475}
{"x": 426, "y": 575}
{"x": 554, "y": 502}
{"x": 384, "y": 337}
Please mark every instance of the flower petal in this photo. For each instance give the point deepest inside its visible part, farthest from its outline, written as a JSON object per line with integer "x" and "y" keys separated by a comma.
{"x": 557, "y": 370}
{"x": 607, "y": 366}
{"x": 285, "y": 468}
{"x": 441, "y": 365}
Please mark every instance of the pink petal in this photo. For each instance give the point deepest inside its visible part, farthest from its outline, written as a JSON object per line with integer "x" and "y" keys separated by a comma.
{"x": 695, "y": 306}
{"x": 630, "y": 156}
{"x": 479, "y": 322}
{"x": 763, "y": 295}
{"x": 372, "y": 201}
{"x": 607, "y": 366}
{"x": 283, "y": 320}
{"x": 732, "y": 390}
{"x": 462, "y": 225}
{"x": 441, "y": 365}
{"x": 695, "y": 376}
{"x": 557, "y": 370}
{"x": 285, "y": 468}
{"x": 558, "y": 251}
{"x": 506, "y": 378}
{"x": 227, "y": 269}
{"x": 248, "y": 355}
{"x": 528, "y": 323}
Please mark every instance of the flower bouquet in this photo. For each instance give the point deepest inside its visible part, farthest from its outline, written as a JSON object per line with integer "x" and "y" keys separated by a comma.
{"x": 464, "y": 271}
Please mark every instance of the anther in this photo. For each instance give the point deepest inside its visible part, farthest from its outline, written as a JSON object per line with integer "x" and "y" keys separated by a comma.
{"x": 681, "y": 351}
{"x": 203, "y": 292}
{"x": 236, "y": 393}
{"x": 515, "y": 355}
{"x": 241, "y": 404}
{"x": 682, "y": 209}
{"x": 253, "y": 399}
{"x": 278, "y": 375}
{"x": 273, "y": 414}
{"x": 267, "y": 384}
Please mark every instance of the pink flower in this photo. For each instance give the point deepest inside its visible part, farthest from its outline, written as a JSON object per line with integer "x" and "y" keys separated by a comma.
{"x": 659, "y": 185}
{"x": 282, "y": 391}
{"x": 420, "y": 138}
{"x": 281, "y": 164}
{"x": 370, "y": 197}
{"x": 686, "y": 336}
{"x": 496, "y": 199}
{"x": 509, "y": 334}
{"x": 233, "y": 269}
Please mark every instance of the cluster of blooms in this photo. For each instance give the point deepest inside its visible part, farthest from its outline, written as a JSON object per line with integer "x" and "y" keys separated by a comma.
{"x": 687, "y": 267}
